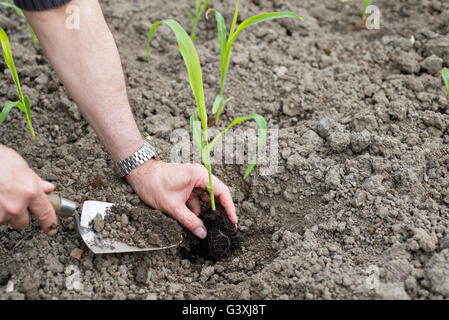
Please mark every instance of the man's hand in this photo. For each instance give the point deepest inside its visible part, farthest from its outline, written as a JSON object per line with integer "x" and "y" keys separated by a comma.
{"x": 22, "y": 192}
{"x": 176, "y": 189}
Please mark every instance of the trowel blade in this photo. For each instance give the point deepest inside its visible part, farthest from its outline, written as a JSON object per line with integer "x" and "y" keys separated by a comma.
{"x": 89, "y": 212}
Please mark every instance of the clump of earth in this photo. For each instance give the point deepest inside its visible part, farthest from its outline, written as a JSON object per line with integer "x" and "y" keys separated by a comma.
{"x": 223, "y": 237}
{"x": 138, "y": 227}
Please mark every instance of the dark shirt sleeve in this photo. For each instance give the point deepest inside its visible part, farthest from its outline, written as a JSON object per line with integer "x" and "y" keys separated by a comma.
{"x": 36, "y": 5}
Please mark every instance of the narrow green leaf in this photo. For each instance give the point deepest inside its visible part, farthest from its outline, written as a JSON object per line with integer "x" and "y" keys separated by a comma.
{"x": 6, "y": 109}
{"x": 198, "y": 15}
{"x": 259, "y": 18}
{"x": 218, "y": 103}
{"x": 196, "y": 131}
{"x": 16, "y": 8}
{"x": 28, "y": 114}
{"x": 261, "y": 122}
{"x": 7, "y": 55}
{"x": 445, "y": 75}
{"x": 234, "y": 20}
{"x": 192, "y": 62}
{"x": 261, "y": 140}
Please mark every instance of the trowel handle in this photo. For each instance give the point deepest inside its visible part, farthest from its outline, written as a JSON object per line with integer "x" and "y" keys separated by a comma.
{"x": 63, "y": 207}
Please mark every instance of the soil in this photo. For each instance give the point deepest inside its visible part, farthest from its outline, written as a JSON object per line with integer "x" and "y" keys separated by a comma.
{"x": 362, "y": 190}
{"x": 223, "y": 237}
{"x": 139, "y": 227}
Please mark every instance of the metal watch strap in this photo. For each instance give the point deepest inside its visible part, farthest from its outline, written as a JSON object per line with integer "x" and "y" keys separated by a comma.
{"x": 147, "y": 152}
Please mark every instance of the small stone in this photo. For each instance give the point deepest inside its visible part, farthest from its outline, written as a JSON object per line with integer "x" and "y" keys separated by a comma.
{"x": 76, "y": 253}
{"x": 339, "y": 140}
{"x": 432, "y": 64}
{"x": 280, "y": 71}
{"x": 9, "y": 287}
{"x": 324, "y": 126}
{"x": 361, "y": 141}
{"x": 98, "y": 223}
{"x": 124, "y": 219}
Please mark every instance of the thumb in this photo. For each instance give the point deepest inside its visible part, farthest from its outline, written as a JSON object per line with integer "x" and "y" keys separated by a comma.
{"x": 189, "y": 220}
{"x": 47, "y": 186}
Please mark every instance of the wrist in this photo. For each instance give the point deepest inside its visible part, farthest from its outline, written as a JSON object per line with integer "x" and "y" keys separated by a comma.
{"x": 146, "y": 170}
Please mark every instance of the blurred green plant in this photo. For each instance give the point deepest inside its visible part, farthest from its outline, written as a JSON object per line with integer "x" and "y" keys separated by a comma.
{"x": 367, "y": 4}
{"x": 445, "y": 75}
{"x": 199, "y": 10}
{"x": 227, "y": 42}
{"x": 199, "y": 127}
{"x": 24, "y": 102}
{"x": 20, "y": 13}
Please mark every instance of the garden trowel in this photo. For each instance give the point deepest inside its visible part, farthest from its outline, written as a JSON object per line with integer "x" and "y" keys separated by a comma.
{"x": 64, "y": 207}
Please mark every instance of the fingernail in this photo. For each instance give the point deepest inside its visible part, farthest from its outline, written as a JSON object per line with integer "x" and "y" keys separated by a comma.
{"x": 52, "y": 231}
{"x": 49, "y": 184}
{"x": 200, "y": 232}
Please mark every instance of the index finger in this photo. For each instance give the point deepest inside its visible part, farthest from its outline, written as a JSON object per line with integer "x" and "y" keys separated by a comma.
{"x": 221, "y": 191}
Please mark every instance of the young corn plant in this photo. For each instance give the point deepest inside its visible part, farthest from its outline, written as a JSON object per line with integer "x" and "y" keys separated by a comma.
{"x": 20, "y": 13}
{"x": 367, "y": 4}
{"x": 24, "y": 102}
{"x": 445, "y": 75}
{"x": 199, "y": 127}
{"x": 199, "y": 10}
{"x": 226, "y": 42}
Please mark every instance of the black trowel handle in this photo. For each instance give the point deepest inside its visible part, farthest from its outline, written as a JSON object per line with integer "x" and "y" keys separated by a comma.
{"x": 63, "y": 207}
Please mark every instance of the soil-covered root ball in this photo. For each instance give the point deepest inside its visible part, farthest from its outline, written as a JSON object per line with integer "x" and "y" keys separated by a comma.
{"x": 223, "y": 237}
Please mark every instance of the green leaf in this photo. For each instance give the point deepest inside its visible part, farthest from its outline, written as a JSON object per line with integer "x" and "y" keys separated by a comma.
{"x": 6, "y": 109}
{"x": 16, "y": 8}
{"x": 445, "y": 75}
{"x": 28, "y": 114}
{"x": 261, "y": 140}
{"x": 260, "y": 18}
{"x": 198, "y": 13}
{"x": 7, "y": 55}
{"x": 226, "y": 57}
{"x": 192, "y": 62}
{"x": 234, "y": 20}
{"x": 367, "y": 4}
{"x": 218, "y": 104}
{"x": 196, "y": 131}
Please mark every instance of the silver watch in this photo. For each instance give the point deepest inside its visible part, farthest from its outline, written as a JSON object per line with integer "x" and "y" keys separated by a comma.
{"x": 147, "y": 152}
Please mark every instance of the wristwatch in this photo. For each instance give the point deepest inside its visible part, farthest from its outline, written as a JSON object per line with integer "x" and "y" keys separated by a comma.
{"x": 125, "y": 166}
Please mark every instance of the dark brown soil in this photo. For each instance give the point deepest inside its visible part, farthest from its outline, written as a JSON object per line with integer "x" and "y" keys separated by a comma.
{"x": 140, "y": 227}
{"x": 223, "y": 237}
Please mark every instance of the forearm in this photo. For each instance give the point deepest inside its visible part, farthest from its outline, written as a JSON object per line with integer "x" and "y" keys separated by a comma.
{"x": 87, "y": 62}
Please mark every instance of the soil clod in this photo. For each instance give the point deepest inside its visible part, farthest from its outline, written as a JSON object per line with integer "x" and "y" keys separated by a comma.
{"x": 223, "y": 237}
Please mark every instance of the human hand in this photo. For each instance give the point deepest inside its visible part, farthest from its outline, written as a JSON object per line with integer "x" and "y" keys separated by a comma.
{"x": 22, "y": 192}
{"x": 176, "y": 189}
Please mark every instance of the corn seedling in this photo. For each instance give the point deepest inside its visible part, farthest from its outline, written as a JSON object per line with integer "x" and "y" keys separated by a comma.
{"x": 226, "y": 43}
{"x": 199, "y": 127}
{"x": 199, "y": 10}
{"x": 24, "y": 102}
{"x": 445, "y": 75}
{"x": 20, "y": 13}
{"x": 367, "y": 4}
